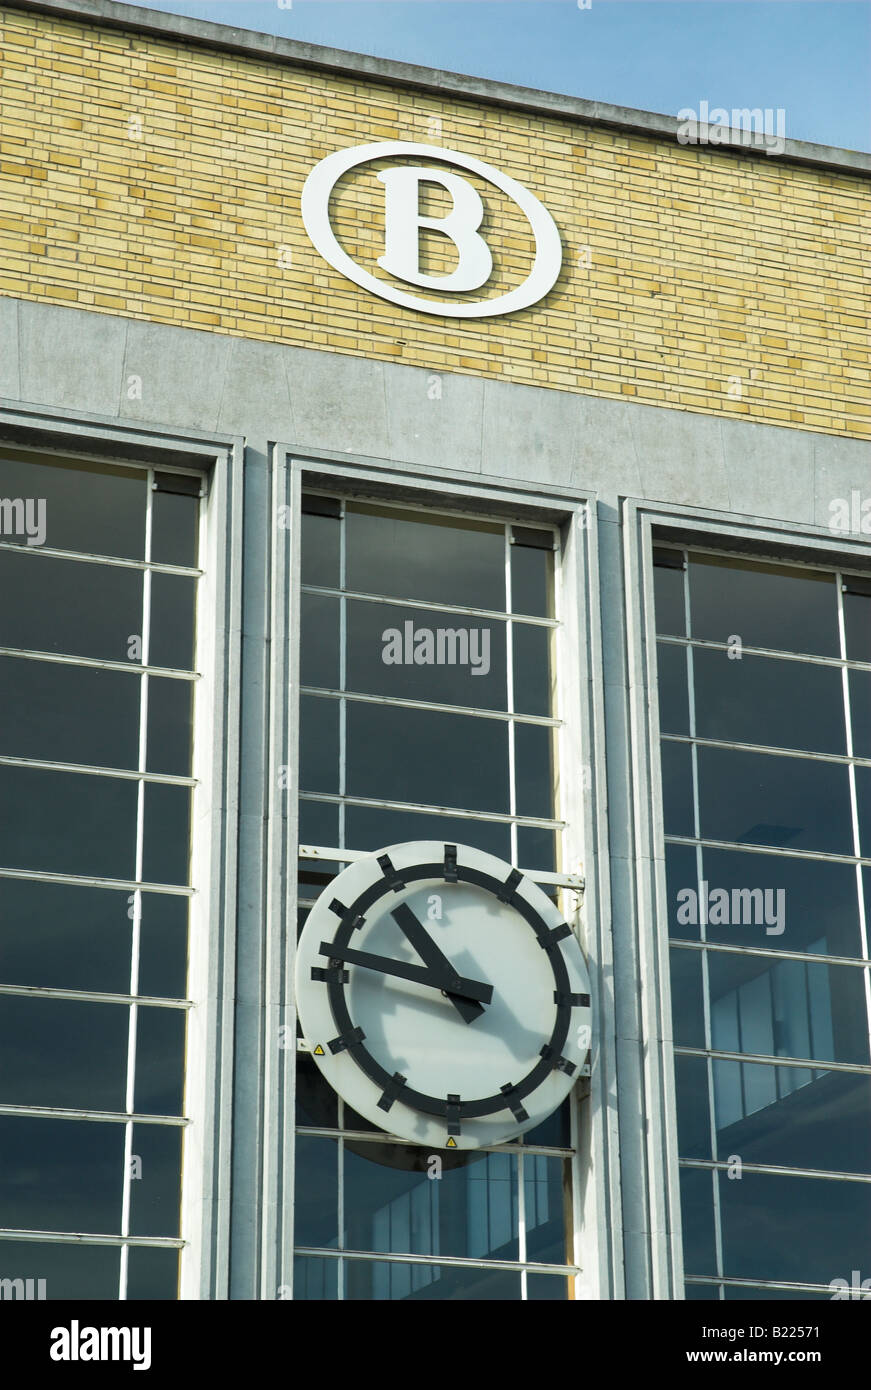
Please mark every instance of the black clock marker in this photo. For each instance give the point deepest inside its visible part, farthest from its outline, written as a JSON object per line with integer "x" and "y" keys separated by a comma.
{"x": 421, "y": 975}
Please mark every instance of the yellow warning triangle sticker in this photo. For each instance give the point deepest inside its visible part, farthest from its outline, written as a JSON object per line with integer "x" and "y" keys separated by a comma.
{"x": 319, "y": 1051}
{"x": 452, "y": 1143}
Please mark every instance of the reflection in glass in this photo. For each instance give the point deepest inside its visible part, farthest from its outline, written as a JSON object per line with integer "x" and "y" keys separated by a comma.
{"x": 382, "y": 1279}
{"x": 316, "y": 1217}
{"x": 755, "y": 798}
{"x": 435, "y": 558}
{"x": 804, "y": 1230}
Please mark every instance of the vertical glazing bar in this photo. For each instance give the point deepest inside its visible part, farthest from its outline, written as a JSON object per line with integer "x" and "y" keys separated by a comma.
{"x": 854, "y": 800}
{"x": 509, "y": 675}
{"x": 137, "y": 895}
{"x": 343, "y": 668}
{"x": 340, "y": 1203}
{"x": 521, "y": 1222}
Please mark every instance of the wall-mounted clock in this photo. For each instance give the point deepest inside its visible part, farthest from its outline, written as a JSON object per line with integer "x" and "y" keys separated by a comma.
{"x": 443, "y": 996}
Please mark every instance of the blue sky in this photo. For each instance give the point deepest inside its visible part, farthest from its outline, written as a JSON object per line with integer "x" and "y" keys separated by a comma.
{"x": 811, "y": 58}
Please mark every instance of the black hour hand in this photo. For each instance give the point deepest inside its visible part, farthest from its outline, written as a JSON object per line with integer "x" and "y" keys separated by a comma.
{"x": 417, "y": 935}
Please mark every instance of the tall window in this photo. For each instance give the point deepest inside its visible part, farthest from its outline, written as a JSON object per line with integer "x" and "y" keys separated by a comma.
{"x": 765, "y": 711}
{"x": 427, "y": 711}
{"x": 98, "y": 577}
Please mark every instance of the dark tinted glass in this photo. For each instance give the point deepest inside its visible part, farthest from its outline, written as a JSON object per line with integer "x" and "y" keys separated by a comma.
{"x": 64, "y": 937}
{"x": 533, "y": 770}
{"x": 533, "y": 677}
{"x": 318, "y": 824}
{"x": 69, "y": 823}
{"x": 686, "y": 998}
{"x": 424, "y": 654}
{"x": 163, "y": 946}
{"x": 863, "y": 799}
{"x": 757, "y": 699}
{"x": 318, "y": 744}
{"x": 374, "y": 1279}
{"x": 860, "y": 712}
{"x": 69, "y": 714}
{"x": 160, "y": 1044}
{"x": 546, "y": 1192}
{"x": 669, "y": 599}
{"x": 316, "y": 1101}
{"x": 532, "y": 580}
{"x": 752, "y": 798}
{"x": 693, "y": 1107}
{"x": 61, "y": 1175}
{"x": 681, "y": 884}
{"x": 412, "y": 755}
{"x": 166, "y": 851}
{"x": 315, "y": 1279}
{"x": 316, "y": 1213}
{"x": 807, "y": 1230}
{"x": 63, "y": 1052}
{"x": 320, "y": 551}
{"x": 319, "y": 641}
{"x": 781, "y": 902}
{"x": 764, "y": 605}
{"x": 792, "y": 1116}
{"x": 437, "y": 559}
{"x": 69, "y": 606}
{"x": 89, "y": 507}
{"x": 674, "y": 710}
{"x": 536, "y": 848}
{"x": 152, "y": 1274}
{"x": 697, "y": 1213}
{"x": 175, "y": 523}
{"x": 369, "y": 828}
{"x": 155, "y": 1180}
{"x": 857, "y": 624}
{"x": 546, "y": 1286}
{"x": 73, "y": 1271}
{"x": 172, "y": 621}
{"x": 170, "y": 726}
{"x": 677, "y": 788}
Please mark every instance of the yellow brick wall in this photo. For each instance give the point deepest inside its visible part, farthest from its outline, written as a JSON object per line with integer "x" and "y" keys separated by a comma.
{"x": 161, "y": 181}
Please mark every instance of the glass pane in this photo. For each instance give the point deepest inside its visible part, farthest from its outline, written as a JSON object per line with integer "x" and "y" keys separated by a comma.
{"x": 677, "y": 788}
{"x": 414, "y": 755}
{"x": 787, "y": 704}
{"x": 175, "y": 521}
{"x": 318, "y": 825}
{"x": 546, "y": 1286}
{"x": 428, "y": 1208}
{"x": 697, "y": 1212}
{"x": 61, "y": 1175}
{"x": 68, "y": 823}
{"x": 674, "y": 710}
{"x": 316, "y": 1213}
{"x": 160, "y": 1047}
{"x": 369, "y": 829}
{"x": 166, "y": 851}
{"x": 693, "y": 1107}
{"x": 532, "y": 580}
{"x": 805, "y": 1230}
{"x": 315, "y": 1279}
{"x": 787, "y": 1008}
{"x": 857, "y": 622}
{"x": 554, "y": 1132}
{"x": 69, "y": 606}
{"x": 89, "y": 507}
{"x": 155, "y": 1180}
{"x": 319, "y": 641}
{"x": 669, "y": 600}
{"x": 163, "y": 946}
{"x": 778, "y": 901}
{"x": 792, "y": 1116}
{"x": 863, "y": 799}
{"x": 536, "y": 849}
{"x": 425, "y": 654}
{"x": 860, "y": 712}
{"x": 748, "y": 1291}
{"x": 171, "y": 642}
{"x": 320, "y": 550}
{"x": 682, "y": 889}
{"x": 533, "y": 675}
{"x": 64, "y": 937}
{"x": 545, "y": 1185}
{"x": 69, "y": 714}
{"x": 765, "y": 605}
{"x": 316, "y": 1101}
{"x": 702, "y": 1293}
{"x": 152, "y": 1274}
{"x": 438, "y": 559}
{"x": 377, "y": 1279}
{"x": 170, "y": 726}
{"x": 63, "y": 1052}
{"x": 686, "y": 997}
{"x": 69, "y": 1271}
{"x": 534, "y": 770}
{"x": 318, "y": 744}
{"x": 753, "y": 798}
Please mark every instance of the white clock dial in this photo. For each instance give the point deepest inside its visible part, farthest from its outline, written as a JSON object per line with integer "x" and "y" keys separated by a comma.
{"x": 442, "y": 995}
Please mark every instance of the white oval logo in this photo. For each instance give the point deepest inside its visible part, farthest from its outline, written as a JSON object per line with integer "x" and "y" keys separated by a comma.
{"x": 403, "y": 223}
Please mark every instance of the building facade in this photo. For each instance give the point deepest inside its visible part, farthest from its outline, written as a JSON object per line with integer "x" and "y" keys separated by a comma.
{"x": 581, "y": 580}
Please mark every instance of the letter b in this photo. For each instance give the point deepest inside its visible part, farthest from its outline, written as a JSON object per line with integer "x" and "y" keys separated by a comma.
{"x": 403, "y": 222}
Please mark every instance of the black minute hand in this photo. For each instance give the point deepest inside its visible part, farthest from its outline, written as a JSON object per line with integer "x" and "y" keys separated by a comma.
{"x": 422, "y": 975}
{"x": 417, "y": 935}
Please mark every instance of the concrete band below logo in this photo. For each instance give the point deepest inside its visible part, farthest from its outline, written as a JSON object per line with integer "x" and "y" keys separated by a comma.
{"x": 403, "y": 223}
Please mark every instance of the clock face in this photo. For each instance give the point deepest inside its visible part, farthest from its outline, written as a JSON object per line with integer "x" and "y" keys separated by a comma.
{"x": 443, "y": 996}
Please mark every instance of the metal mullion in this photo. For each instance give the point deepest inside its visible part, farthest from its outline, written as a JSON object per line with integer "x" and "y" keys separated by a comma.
{"x": 802, "y": 1063}
{"x": 364, "y": 698}
{"x": 777, "y": 1170}
{"x": 805, "y": 658}
{"x": 536, "y": 822}
{"x": 521, "y": 1222}
{"x": 330, "y": 854}
{"x": 86, "y": 881}
{"x": 454, "y": 1261}
{"x": 368, "y": 1136}
{"x": 340, "y": 1195}
{"x": 99, "y": 664}
{"x": 430, "y": 606}
{"x": 509, "y": 699}
{"x": 119, "y": 773}
{"x": 89, "y": 1238}
{"x": 758, "y": 1284}
{"x": 65, "y": 1112}
{"x": 343, "y": 673}
{"x": 749, "y": 848}
{"x": 854, "y": 802}
{"x": 770, "y": 953}
{"x": 113, "y": 561}
{"x": 91, "y": 996}
{"x": 769, "y": 750}
{"x": 137, "y": 894}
